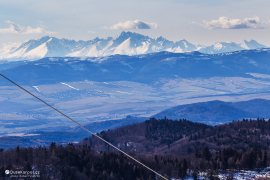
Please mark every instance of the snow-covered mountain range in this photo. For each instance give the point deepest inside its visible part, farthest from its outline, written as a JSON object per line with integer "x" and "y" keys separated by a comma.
{"x": 127, "y": 43}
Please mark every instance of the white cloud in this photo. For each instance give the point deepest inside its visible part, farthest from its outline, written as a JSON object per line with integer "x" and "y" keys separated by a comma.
{"x": 135, "y": 24}
{"x": 228, "y": 23}
{"x": 14, "y": 28}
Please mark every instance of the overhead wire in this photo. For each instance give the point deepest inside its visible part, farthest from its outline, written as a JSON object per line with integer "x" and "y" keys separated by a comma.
{"x": 83, "y": 128}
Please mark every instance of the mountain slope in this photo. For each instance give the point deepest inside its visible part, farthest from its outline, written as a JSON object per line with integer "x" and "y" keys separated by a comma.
{"x": 252, "y": 44}
{"x": 175, "y": 149}
{"x": 142, "y": 68}
{"x": 212, "y": 113}
{"x": 215, "y": 112}
{"x": 222, "y": 47}
{"x": 127, "y": 43}
{"x": 147, "y": 136}
{"x": 62, "y": 135}
{"x": 190, "y": 140}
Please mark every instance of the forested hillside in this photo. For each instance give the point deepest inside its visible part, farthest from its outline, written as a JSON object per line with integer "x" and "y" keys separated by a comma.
{"x": 173, "y": 148}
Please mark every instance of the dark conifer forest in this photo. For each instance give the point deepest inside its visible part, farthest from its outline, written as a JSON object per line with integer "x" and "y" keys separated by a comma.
{"x": 173, "y": 148}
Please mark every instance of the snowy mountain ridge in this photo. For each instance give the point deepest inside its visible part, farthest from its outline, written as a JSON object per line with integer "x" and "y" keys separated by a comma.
{"x": 127, "y": 43}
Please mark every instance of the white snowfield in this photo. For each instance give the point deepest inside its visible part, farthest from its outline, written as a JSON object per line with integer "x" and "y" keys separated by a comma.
{"x": 89, "y": 101}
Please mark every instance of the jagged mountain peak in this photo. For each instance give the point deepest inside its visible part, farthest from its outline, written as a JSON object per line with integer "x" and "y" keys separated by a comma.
{"x": 132, "y": 35}
{"x": 221, "y": 47}
{"x": 161, "y": 38}
{"x": 253, "y": 44}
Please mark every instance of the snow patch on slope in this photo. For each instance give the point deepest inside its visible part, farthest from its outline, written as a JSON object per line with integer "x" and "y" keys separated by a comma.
{"x": 218, "y": 46}
{"x": 258, "y": 75}
{"x": 69, "y": 86}
{"x": 38, "y": 52}
{"x": 124, "y": 48}
{"x": 36, "y": 87}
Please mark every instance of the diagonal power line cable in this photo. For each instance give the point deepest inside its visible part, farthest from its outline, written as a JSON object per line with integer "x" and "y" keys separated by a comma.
{"x": 84, "y": 128}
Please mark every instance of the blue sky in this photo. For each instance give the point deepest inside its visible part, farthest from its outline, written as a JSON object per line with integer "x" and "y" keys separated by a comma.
{"x": 199, "y": 21}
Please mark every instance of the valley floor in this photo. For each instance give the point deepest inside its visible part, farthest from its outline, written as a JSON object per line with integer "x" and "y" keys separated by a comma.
{"x": 90, "y": 101}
